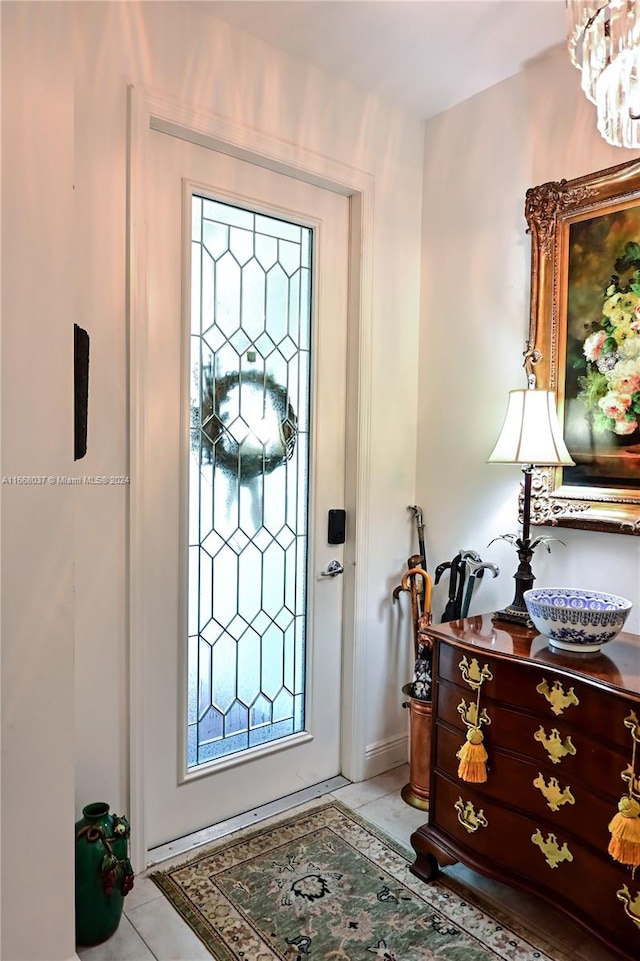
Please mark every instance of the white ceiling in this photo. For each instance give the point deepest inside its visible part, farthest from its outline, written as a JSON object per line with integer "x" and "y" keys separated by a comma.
{"x": 426, "y": 55}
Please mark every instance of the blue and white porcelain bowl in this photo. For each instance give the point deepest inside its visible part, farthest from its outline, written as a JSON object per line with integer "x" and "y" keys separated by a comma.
{"x": 577, "y": 620}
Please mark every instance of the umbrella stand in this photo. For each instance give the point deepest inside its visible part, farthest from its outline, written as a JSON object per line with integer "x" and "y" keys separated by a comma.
{"x": 416, "y": 792}
{"x": 419, "y": 584}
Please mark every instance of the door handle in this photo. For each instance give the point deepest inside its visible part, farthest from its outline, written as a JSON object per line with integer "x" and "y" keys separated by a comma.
{"x": 333, "y": 569}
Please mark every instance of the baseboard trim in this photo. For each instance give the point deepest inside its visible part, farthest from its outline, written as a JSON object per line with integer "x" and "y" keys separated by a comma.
{"x": 384, "y": 755}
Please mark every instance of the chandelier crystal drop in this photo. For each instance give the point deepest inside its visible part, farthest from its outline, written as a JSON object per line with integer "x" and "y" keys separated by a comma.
{"x": 604, "y": 43}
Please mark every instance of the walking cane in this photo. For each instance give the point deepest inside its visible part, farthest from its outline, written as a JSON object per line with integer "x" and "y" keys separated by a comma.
{"x": 417, "y": 513}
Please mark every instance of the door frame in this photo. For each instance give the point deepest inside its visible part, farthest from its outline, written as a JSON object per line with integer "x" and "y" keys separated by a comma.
{"x": 149, "y": 111}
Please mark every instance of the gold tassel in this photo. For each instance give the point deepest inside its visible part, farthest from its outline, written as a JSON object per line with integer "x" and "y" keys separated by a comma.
{"x": 473, "y": 758}
{"x": 624, "y": 845}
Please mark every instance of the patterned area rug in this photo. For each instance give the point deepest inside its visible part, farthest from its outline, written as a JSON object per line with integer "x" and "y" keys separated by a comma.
{"x": 326, "y": 884}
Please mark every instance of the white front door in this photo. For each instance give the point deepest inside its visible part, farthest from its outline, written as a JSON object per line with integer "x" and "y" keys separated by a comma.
{"x": 243, "y": 432}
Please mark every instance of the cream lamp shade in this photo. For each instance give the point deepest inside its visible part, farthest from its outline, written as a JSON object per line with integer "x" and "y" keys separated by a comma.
{"x": 531, "y": 433}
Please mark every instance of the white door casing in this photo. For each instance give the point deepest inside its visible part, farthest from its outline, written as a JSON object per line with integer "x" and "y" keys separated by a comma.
{"x": 150, "y": 113}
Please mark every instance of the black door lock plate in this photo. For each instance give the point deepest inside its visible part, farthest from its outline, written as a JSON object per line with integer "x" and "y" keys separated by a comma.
{"x": 337, "y": 526}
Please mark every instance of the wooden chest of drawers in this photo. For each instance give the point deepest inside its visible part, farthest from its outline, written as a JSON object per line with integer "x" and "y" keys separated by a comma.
{"x": 559, "y": 759}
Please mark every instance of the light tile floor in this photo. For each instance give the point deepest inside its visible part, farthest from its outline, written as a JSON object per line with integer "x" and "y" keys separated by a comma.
{"x": 151, "y": 928}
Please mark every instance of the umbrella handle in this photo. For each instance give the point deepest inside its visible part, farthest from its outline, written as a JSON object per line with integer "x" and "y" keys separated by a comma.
{"x": 409, "y": 584}
{"x": 428, "y": 585}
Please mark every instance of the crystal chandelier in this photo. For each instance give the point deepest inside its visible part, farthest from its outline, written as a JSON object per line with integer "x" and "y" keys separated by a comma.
{"x": 604, "y": 43}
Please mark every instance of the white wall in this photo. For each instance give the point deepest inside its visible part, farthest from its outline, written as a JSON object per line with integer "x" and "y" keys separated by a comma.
{"x": 480, "y": 158}
{"x": 176, "y": 51}
{"x": 65, "y": 72}
{"x": 37, "y": 520}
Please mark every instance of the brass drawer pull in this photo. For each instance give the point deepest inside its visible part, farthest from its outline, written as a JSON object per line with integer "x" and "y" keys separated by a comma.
{"x": 556, "y": 697}
{"x": 552, "y": 793}
{"x": 631, "y": 722}
{"x": 470, "y": 716}
{"x": 554, "y": 854}
{"x": 631, "y": 779}
{"x": 624, "y": 826}
{"x": 629, "y": 775}
{"x": 631, "y": 908}
{"x": 553, "y": 744}
{"x": 472, "y": 755}
{"x": 472, "y": 675}
{"x": 468, "y": 817}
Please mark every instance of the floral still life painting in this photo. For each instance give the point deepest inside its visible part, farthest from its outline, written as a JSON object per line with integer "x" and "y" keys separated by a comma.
{"x": 602, "y": 387}
{"x": 610, "y": 389}
{"x": 328, "y": 885}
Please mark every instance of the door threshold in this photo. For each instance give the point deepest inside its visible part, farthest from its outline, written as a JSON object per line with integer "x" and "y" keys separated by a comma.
{"x": 190, "y": 841}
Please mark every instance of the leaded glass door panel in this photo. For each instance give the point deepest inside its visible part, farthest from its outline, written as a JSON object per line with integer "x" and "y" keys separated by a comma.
{"x": 250, "y": 342}
{"x": 244, "y": 455}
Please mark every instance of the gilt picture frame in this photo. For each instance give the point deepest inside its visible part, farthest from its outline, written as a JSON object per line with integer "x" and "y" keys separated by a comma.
{"x": 584, "y": 344}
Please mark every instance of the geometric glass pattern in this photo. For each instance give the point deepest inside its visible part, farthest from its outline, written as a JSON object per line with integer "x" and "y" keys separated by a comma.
{"x": 250, "y": 338}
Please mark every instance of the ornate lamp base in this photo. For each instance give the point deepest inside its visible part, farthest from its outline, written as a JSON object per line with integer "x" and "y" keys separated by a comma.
{"x": 513, "y": 615}
{"x": 516, "y": 612}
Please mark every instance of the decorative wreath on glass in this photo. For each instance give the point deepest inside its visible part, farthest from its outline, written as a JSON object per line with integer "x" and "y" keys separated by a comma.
{"x": 246, "y": 424}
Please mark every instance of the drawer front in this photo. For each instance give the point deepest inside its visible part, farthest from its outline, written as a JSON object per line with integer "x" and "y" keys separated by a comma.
{"x": 535, "y": 790}
{"x": 570, "y": 754}
{"x": 565, "y": 871}
{"x": 557, "y": 698}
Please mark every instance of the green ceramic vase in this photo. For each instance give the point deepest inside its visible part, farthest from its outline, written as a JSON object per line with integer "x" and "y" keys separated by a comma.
{"x": 104, "y": 875}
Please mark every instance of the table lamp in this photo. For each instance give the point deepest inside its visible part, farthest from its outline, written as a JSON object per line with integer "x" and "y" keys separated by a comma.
{"x": 531, "y": 436}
